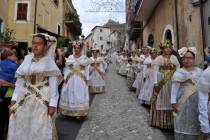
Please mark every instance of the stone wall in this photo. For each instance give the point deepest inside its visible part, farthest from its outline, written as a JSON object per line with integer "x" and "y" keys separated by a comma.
{"x": 189, "y": 25}
{"x": 190, "y": 31}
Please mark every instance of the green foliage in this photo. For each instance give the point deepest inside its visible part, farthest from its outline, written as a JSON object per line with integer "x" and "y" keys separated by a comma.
{"x": 63, "y": 42}
{"x": 7, "y": 35}
{"x": 60, "y": 41}
{"x": 78, "y": 27}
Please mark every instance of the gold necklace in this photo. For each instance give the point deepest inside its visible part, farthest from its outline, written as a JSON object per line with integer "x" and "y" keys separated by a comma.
{"x": 36, "y": 59}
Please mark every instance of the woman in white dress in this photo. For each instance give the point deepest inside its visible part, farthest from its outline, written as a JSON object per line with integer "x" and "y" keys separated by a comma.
{"x": 138, "y": 81}
{"x": 123, "y": 64}
{"x": 203, "y": 104}
{"x": 148, "y": 75}
{"x": 97, "y": 70}
{"x": 184, "y": 97}
{"x": 164, "y": 65}
{"x": 35, "y": 97}
{"x": 74, "y": 100}
{"x": 117, "y": 61}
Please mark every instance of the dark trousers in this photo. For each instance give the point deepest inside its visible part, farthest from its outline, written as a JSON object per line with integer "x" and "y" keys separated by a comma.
{"x": 4, "y": 116}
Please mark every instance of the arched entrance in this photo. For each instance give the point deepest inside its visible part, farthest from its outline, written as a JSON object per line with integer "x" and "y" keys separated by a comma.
{"x": 150, "y": 40}
{"x": 168, "y": 33}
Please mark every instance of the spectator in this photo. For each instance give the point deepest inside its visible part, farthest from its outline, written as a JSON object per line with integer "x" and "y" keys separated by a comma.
{"x": 8, "y": 68}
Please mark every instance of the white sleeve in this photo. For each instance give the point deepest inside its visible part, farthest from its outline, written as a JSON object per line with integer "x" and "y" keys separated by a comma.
{"x": 101, "y": 68}
{"x": 144, "y": 70}
{"x": 87, "y": 72}
{"x": 53, "y": 83}
{"x": 174, "y": 92}
{"x": 156, "y": 69}
{"x": 203, "y": 111}
{"x": 66, "y": 72}
{"x": 176, "y": 62}
{"x": 18, "y": 88}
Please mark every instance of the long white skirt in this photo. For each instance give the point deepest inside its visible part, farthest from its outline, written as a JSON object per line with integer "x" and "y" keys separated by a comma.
{"x": 97, "y": 83}
{"x": 123, "y": 69}
{"x": 146, "y": 90}
{"x": 30, "y": 120}
{"x": 74, "y": 100}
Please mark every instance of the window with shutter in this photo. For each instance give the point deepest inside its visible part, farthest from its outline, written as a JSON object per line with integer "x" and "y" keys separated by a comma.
{"x": 22, "y": 9}
{"x": 59, "y": 29}
{"x": 1, "y": 25}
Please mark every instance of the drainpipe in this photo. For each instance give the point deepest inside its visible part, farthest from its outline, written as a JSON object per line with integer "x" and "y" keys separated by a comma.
{"x": 35, "y": 12}
{"x": 202, "y": 24}
{"x": 177, "y": 23}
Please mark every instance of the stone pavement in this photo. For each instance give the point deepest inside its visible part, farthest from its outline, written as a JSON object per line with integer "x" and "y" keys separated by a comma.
{"x": 117, "y": 115}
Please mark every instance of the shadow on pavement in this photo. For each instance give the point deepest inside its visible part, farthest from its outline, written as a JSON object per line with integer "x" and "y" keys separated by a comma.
{"x": 68, "y": 127}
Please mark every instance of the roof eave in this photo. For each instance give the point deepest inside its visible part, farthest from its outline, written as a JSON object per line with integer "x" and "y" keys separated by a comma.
{"x": 145, "y": 10}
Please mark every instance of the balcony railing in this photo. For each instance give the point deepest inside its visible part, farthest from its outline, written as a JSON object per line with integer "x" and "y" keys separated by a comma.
{"x": 136, "y": 30}
{"x": 73, "y": 23}
{"x": 71, "y": 17}
{"x": 137, "y": 6}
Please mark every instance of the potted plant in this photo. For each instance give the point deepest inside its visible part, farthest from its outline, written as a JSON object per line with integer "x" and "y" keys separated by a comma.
{"x": 7, "y": 38}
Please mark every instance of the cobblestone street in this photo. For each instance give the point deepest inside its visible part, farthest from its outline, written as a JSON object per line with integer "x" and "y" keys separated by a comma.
{"x": 117, "y": 115}
{"x": 69, "y": 69}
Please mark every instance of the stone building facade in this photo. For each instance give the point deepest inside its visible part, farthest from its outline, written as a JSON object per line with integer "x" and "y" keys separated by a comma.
{"x": 101, "y": 37}
{"x": 206, "y": 22}
{"x": 134, "y": 30}
{"x": 117, "y": 34}
{"x": 175, "y": 20}
{"x": 27, "y": 17}
{"x": 3, "y": 14}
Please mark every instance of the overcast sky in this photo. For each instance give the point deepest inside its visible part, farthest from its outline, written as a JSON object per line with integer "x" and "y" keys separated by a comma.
{"x": 91, "y": 19}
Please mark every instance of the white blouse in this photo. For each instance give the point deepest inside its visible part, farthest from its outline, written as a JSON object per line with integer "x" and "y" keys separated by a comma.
{"x": 28, "y": 67}
{"x": 204, "y": 90}
{"x": 147, "y": 61}
{"x": 182, "y": 75}
{"x": 161, "y": 60}
{"x": 53, "y": 83}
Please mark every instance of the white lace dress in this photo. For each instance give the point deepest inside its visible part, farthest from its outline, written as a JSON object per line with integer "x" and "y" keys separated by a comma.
{"x": 36, "y": 89}
{"x": 74, "y": 100}
{"x": 97, "y": 70}
{"x": 147, "y": 85}
{"x": 184, "y": 94}
{"x": 123, "y": 64}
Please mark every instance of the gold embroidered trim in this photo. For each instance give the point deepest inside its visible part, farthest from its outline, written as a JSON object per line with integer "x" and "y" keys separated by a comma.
{"x": 32, "y": 91}
{"x": 76, "y": 71}
{"x": 74, "y": 113}
{"x": 55, "y": 73}
{"x": 97, "y": 89}
{"x": 45, "y": 73}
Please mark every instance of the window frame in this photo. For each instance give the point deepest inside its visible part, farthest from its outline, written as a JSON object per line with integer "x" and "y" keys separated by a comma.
{"x": 58, "y": 24}
{"x": 2, "y": 25}
{"x": 28, "y": 11}
{"x": 56, "y": 3}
